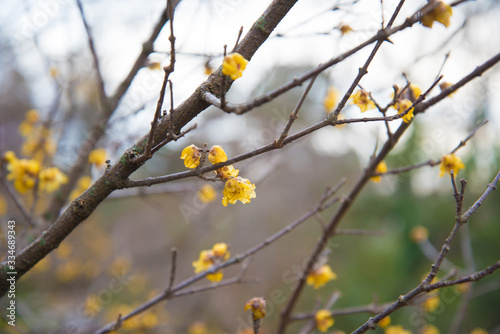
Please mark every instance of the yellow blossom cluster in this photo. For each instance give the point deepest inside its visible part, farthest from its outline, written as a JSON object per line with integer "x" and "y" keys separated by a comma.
{"x": 25, "y": 172}
{"x": 258, "y": 307}
{"x": 211, "y": 257}
{"x": 324, "y": 320}
{"x": 38, "y": 143}
{"x": 235, "y": 189}
{"x": 320, "y": 276}
{"x": 233, "y": 65}
{"x": 29, "y": 173}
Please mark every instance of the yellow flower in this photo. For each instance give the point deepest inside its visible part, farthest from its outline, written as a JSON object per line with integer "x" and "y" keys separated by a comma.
{"x": 441, "y": 13}
{"x": 217, "y": 154}
{"x": 98, "y": 157}
{"x": 430, "y": 329}
{"x": 204, "y": 262}
{"x": 323, "y": 320}
{"x": 26, "y": 126}
{"x": 191, "y": 156}
{"x": 51, "y": 179}
{"x": 92, "y": 306}
{"x": 402, "y": 106}
{"x": 411, "y": 94}
{"x": 238, "y": 189}
{"x": 419, "y": 234}
{"x": 23, "y": 172}
{"x": 478, "y": 331}
{"x": 345, "y": 29}
{"x": 258, "y": 307}
{"x": 381, "y": 168}
{"x": 397, "y": 329}
{"x": 463, "y": 288}
{"x": 154, "y": 65}
{"x": 54, "y": 72}
{"x": 331, "y": 99}
{"x": 220, "y": 251}
{"x": 450, "y": 162}
{"x": 431, "y": 304}
{"x": 82, "y": 184}
{"x": 319, "y": 277}
{"x": 227, "y": 172}
{"x": 211, "y": 257}
{"x": 68, "y": 271}
{"x": 9, "y": 156}
{"x": 385, "y": 322}
{"x": 233, "y": 65}
{"x": 3, "y": 206}
{"x": 207, "y": 194}
{"x": 362, "y": 100}
{"x": 38, "y": 145}
{"x": 198, "y": 327}
{"x": 415, "y": 92}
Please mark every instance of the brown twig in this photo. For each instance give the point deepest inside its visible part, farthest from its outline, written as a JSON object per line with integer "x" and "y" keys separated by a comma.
{"x": 492, "y": 186}
{"x": 472, "y": 134}
{"x": 294, "y": 114}
{"x": 380, "y": 36}
{"x": 17, "y": 202}
{"x": 240, "y": 32}
{"x": 100, "y": 81}
{"x": 425, "y": 285}
{"x": 147, "y": 154}
{"x": 173, "y": 265}
{"x": 178, "y": 290}
{"x": 223, "y": 80}
{"x": 97, "y": 130}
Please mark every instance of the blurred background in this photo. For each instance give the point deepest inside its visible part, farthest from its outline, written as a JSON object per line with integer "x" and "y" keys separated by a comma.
{"x": 120, "y": 256}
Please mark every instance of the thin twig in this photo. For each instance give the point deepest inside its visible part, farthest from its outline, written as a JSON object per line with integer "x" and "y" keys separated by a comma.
{"x": 222, "y": 93}
{"x": 381, "y": 35}
{"x": 425, "y": 285}
{"x": 492, "y": 186}
{"x": 294, "y": 115}
{"x": 240, "y": 32}
{"x": 173, "y": 265}
{"x": 359, "y": 232}
{"x": 17, "y": 202}
{"x": 472, "y": 134}
{"x": 178, "y": 290}
{"x": 147, "y": 154}
{"x": 149, "y": 144}
{"x": 102, "y": 93}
